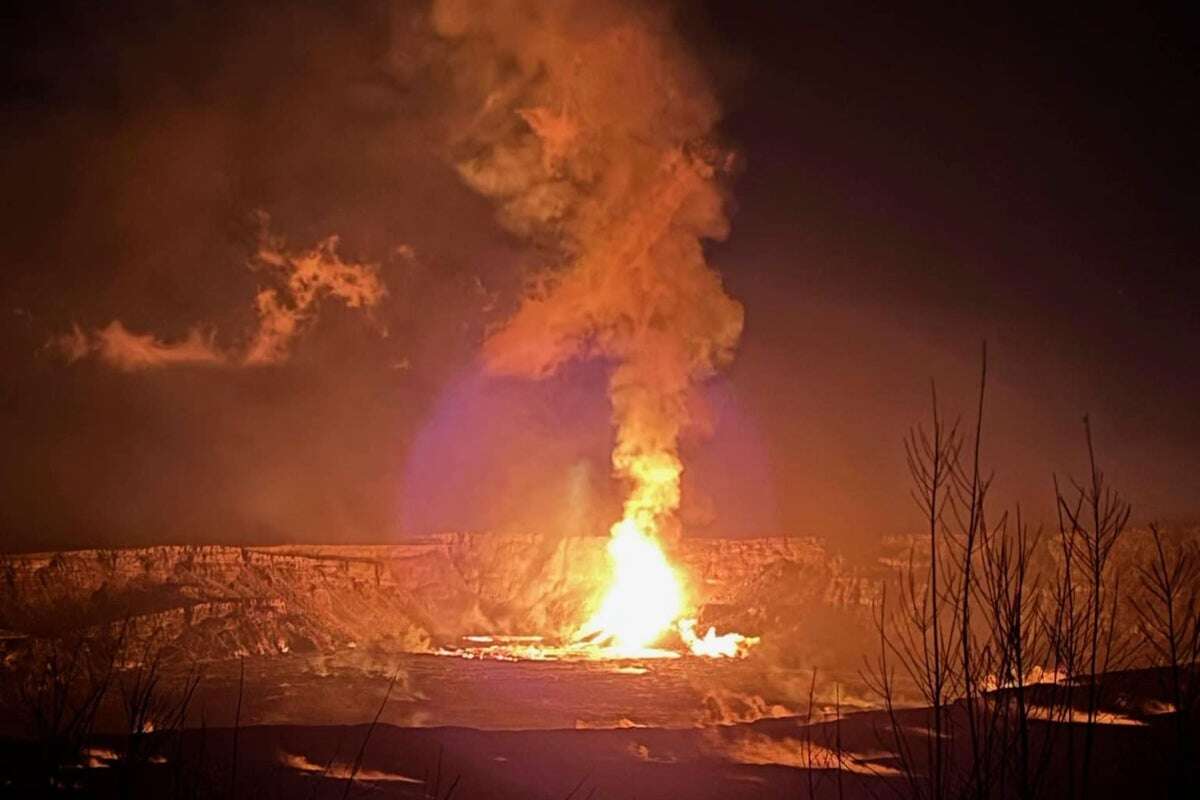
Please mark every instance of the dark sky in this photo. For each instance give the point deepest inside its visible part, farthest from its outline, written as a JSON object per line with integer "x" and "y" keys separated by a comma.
{"x": 912, "y": 185}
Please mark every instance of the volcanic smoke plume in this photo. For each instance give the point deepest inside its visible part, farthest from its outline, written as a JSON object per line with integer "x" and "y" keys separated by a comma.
{"x": 593, "y": 135}
{"x": 285, "y": 307}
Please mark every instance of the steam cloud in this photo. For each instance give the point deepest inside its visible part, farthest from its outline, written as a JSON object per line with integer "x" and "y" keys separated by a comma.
{"x": 285, "y": 310}
{"x": 343, "y": 771}
{"x": 593, "y": 135}
{"x": 751, "y": 747}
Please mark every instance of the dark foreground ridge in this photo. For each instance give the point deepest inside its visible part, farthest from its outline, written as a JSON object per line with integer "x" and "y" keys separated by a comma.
{"x": 788, "y": 757}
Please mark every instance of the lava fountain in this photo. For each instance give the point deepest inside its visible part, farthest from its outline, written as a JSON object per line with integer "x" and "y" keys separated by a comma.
{"x": 644, "y": 598}
{"x": 645, "y": 601}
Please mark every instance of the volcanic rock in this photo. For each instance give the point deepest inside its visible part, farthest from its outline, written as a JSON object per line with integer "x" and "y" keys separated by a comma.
{"x": 215, "y": 602}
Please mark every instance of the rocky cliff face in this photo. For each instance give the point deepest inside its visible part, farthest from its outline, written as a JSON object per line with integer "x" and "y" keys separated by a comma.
{"x": 206, "y": 603}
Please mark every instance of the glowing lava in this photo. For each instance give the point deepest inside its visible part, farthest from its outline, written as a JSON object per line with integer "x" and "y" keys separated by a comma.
{"x": 645, "y": 601}
{"x": 728, "y": 645}
{"x": 644, "y": 598}
{"x": 643, "y": 604}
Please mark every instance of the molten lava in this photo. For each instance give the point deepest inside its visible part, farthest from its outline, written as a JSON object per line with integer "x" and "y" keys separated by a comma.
{"x": 728, "y": 645}
{"x": 644, "y": 598}
{"x": 643, "y": 604}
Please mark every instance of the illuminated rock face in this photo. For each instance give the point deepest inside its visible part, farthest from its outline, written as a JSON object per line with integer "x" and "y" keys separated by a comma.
{"x": 208, "y": 603}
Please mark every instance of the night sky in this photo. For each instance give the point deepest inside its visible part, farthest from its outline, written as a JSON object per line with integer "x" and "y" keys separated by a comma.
{"x": 910, "y": 184}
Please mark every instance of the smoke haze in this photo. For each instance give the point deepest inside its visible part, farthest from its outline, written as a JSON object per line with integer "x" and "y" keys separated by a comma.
{"x": 909, "y": 188}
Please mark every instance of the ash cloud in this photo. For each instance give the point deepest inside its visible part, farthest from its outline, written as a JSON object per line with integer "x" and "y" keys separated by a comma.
{"x": 384, "y": 123}
{"x": 140, "y": 134}
{"x": 593, "y": 135}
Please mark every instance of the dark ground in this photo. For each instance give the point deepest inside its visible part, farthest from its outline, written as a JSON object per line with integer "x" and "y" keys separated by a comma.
{"x": 782, "y": 757}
